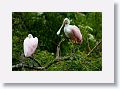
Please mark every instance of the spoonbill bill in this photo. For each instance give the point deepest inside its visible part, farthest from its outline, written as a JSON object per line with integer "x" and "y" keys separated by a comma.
{"x": 30, "y": 45}
{"x": 71, "y": 31}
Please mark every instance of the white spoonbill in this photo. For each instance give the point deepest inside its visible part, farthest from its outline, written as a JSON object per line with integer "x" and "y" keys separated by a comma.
{"x": 30, "y": 45}
{"x": 71, "y": 31}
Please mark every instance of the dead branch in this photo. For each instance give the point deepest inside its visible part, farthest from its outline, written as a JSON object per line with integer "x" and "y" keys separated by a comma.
{"x": 27, "y": 66}
{"x": 33, "y": 67}
{"x": 17, "y": 65}
{"x": 58, "y": 49}
{"x": 41, "y": 68}
{"x": 93, "y": 48}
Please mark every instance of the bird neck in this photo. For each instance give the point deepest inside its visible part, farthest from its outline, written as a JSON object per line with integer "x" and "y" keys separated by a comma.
{"x": 66, "y": 25}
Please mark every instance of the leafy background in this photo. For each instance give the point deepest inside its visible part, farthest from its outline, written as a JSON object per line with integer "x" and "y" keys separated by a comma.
{"x": 44, "y": 25}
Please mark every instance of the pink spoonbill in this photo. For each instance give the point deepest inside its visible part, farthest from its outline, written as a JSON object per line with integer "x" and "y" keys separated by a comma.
{"x": 30, "y": 45}
{"x": 71, "y": 31}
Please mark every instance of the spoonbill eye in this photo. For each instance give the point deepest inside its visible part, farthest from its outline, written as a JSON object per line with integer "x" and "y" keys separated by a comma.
{"x": 66, "y": 22}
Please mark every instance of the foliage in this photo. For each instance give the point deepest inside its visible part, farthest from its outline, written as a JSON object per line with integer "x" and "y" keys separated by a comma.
{"x": 44, "y": 25}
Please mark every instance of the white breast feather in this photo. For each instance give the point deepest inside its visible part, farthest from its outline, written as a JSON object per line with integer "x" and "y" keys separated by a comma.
{"x": 67, "y": 30}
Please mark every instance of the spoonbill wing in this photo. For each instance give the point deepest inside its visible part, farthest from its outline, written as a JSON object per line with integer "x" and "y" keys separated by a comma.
{"x": 30, "y": 45}
{"x": 27, "y": 47}
{"x": 77, "y": 34}
{"x": 34, "y": 43}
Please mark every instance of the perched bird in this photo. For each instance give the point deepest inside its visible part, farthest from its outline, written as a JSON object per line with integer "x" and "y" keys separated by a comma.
{"x": 30, "y": 45}
{"x": 71, "y": 31}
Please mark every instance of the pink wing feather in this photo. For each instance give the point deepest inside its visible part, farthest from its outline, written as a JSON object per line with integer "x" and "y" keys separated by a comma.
{"x": 76, "y": 34}
{"x": 27, "y": 47}
{"x": 30, "y": 46}
{"x": 34, "y": 43}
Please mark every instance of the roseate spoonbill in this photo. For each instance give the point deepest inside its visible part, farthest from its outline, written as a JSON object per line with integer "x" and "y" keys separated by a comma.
{"x": 30, "y": 45}
{"x": 71, "y": 31}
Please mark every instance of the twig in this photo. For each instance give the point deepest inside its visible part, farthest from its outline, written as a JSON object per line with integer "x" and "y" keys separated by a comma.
{"x": 17, "y": 66}
{"x": 26, "y": 66}
{"x": 93, "y": 49}
{"x": 36, "y": 68}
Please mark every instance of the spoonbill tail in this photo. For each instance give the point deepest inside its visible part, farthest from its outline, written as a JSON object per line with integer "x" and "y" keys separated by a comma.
{"x": 30, "y": 45}
{"x": 71, "y": 31}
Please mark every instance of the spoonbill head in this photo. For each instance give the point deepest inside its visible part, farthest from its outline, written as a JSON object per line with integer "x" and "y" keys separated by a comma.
{"x": 66, "y": 21}
{"x": 30, "y": 36}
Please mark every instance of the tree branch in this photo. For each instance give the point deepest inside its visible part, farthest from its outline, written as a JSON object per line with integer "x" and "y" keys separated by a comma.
{"x": 93, "y": 48}
{"x": 26, "y": 66}
{"x": 58, "y": 49}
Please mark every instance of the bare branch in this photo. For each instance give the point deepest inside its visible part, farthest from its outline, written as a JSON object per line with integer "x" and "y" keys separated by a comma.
{"x": 93, "y": 49}
{"x": 27, "y": 66}
{"x": 17, "y": 65}
{"x": 58, "y": 49}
